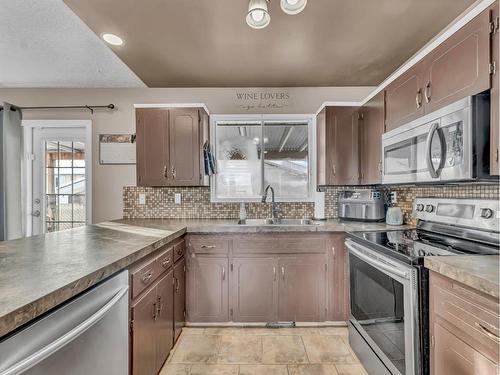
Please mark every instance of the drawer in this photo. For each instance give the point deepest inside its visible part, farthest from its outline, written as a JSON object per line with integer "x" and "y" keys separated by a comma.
{"x": 208, "y": 244}
{"x": 280, "y": 243}
{"x": 165, "y": 260}
{"x": 468, "y": 314}
{"x": 179, "y": 250}
{"x": 142, "y": 276}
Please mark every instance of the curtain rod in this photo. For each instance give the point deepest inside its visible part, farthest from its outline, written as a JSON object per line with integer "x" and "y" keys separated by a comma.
{"x": 89, "y": 107}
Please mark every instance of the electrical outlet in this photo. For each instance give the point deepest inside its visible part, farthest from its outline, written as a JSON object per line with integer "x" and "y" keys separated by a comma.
{"x": 177, "y": 198}
{"x": 394, "y": 197}
{"x": 142, "y": 198}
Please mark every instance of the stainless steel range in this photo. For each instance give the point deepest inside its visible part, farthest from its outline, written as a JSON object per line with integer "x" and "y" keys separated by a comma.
{"x": 388, "y": 323}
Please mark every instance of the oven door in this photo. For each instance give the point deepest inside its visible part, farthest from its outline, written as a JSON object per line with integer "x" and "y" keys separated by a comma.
{"x": 384, "y": 307}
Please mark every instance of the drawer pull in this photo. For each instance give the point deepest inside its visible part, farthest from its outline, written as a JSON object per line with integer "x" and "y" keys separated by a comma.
{"x": 487, "y": 332}
{"x": 179, "y": 252}
{"x": 145, "y": 279}
{"x": 208, "y": 246}
{"x": 165, "y": 262}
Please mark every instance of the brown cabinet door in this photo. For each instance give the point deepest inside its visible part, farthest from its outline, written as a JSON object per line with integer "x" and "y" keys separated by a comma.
{"x": 254, "y": 289}
{"x": 185, "y": 148}
{"x": 164, "y": 321}
{"x": 451, "y": 356}
{"x": 459, "y": 67}
{"x": 302, "y": 288}
{"x": 373, "y": 126}
{"x": 208, "y": 289}
{"x": 342, "y": 134}
{"x": 338, "y": 296}
{"x": 143, "y": 315}
{"x": 179, "y": 297}
{"x": 495, "y": 96}
{"x": 404, "y": 98}
{"x": 152, "y": 146}
{"x": 322, "y": 158}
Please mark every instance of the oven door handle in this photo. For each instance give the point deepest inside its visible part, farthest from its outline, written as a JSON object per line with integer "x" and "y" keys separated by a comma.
{"x": 377, "y": 263}
{"x": 428, "y": 157}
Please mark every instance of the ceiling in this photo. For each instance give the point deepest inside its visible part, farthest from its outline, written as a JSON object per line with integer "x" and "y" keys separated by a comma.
{"x": 44, "y": 44}
{"x": 206, "y": 43}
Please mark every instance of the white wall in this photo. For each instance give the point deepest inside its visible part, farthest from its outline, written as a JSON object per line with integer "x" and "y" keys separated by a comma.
{"x": 108, "y": 180}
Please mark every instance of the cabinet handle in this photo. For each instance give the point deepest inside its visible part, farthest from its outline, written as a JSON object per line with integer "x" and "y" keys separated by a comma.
{"x": 428, "y": 92}
{"x": 223, "y": 273}
{"x": 274, "y": 273}
{"x": 165, "y": 171}
{"x": 155, "y": 311}
{"x": 283, "y": 272}
{"x": 179, "y": 252}
{"x": 165, "y": 262}
{"x": 160, "y": 306}
{"x": 173, "y": 172}
{"x": 380, "y": 166}
{"x": 145, "y": 279}
{"x": 487, "y": 332}
{"x": 177, "y": 285}
{"x": 418, "y": 98}
{"x": 208, "y": 246}
{"x": 334, "y": 170}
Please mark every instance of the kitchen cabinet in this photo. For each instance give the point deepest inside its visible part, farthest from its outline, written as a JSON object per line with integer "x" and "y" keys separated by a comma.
{"x": 338, "y": 291}
{"x": 404, "y": 98}
{"x": 169, "y": 146}
{"x": 495, "y": 90}
{"x": 254, "y": 291}
{"x": 372, "y": 128}
{"x": 302, "y": 288}
{"x": 338, "y": 146}
{"x": 179, "y": 297}
{"x": 207, "y": 289}
{"x": 464, "y": 329}
{"x": 152, "y": 328}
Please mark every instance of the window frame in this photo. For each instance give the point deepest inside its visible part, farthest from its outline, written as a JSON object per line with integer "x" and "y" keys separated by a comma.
{"x": 311, "y": 134}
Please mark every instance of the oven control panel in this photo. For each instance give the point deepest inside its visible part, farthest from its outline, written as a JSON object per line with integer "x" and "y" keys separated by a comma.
{"x": 472, "y": 213}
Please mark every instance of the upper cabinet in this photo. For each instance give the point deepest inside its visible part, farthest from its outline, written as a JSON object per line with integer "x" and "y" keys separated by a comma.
{"x": 457, "y": 68}
{"x": 338, "y": 146}
{"x": 169, "y": 146}
{"x": 495, "y": 88}
{"x": 372, "y": 128}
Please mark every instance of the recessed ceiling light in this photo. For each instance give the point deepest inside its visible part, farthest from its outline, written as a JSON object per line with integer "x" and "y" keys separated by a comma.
{"x": 293, "y": 6}
{"x": 113, "y": 39}
{"x": 258, "y": 16}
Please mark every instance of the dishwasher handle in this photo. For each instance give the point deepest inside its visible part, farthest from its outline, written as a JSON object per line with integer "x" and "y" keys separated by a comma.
{"x": 35, "y": 358}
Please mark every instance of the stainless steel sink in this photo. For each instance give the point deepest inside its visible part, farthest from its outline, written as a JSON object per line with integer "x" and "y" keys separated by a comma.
{"x": 256, "y": 222}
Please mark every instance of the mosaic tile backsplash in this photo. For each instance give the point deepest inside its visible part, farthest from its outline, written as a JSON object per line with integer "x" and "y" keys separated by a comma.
{"x": 196, "y": 201}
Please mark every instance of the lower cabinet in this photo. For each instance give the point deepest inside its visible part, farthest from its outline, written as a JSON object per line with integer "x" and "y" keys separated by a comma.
{"x": 179, "y": 297}
{"x": 151, "y": 327}
{"x": 208, "y": 289}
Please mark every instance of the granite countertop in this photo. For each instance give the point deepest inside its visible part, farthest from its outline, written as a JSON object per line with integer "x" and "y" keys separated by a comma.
{"x": 41, "y": 272}
{"x": 480, "y": 272}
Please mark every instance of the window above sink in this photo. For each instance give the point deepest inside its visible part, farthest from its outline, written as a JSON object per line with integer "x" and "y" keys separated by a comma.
{"x": 255, "y": 151}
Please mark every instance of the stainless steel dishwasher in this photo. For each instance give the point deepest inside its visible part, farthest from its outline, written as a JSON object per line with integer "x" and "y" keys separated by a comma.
{"x": 88, "y": 335}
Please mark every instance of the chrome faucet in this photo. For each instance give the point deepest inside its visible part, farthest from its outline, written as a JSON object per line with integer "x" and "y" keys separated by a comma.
{"x": 274, "y": 209}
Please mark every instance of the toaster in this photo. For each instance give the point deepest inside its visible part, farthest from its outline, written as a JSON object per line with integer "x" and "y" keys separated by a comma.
{"x": 361, "y": 205}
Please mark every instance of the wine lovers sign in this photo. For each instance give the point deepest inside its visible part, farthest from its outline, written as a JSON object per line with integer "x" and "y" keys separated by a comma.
{"x": 262, "y": 100}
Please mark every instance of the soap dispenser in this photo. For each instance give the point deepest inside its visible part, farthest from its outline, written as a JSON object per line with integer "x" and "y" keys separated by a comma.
{"x": 243, "y": 212}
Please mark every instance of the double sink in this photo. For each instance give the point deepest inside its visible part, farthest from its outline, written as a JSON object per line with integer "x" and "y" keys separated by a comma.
{"x": 258, "y": 222}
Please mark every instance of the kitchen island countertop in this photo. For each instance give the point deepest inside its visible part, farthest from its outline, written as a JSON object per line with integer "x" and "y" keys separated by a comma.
{"x": 41, "y": 272}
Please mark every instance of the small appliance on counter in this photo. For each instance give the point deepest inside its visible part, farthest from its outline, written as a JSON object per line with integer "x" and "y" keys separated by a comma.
{"x": 394, "y": 216}
{"x": 361, "y": 205}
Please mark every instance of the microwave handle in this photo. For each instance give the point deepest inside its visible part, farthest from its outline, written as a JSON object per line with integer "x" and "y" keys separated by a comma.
{"x": 428, "y": 158}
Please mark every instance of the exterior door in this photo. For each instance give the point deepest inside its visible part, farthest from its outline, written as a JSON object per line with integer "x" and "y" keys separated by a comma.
{"x": 405, "y": 98}
{"x": 164, "y": 319}
{"x": 179, "y": 297}
{"x": 302, "y": 288}
{"x": 451, "y": 356}
{"x": 184, "y": 147}
{"x": 343, "y": 135}
{"x": 208, "y": 289}
{"x": 61, "y": 179}
{"x": 153, "y": 158}
{"x": 460, "y": 66}
{"x": 143, "y": 314}
{"x": 254, "y": 289}
{"x": 373, "y": 127}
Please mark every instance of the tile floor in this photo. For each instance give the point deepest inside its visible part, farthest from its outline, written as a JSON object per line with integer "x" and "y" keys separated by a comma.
{"x": 262, "y": 351}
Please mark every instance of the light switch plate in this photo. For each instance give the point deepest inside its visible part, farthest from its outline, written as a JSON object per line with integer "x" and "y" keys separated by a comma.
{"x": 142, "y": 198}
{"x": 177, "y": 198}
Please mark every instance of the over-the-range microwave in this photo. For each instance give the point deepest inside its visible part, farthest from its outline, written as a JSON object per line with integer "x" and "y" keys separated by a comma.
{"x": 450, "y": 144}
